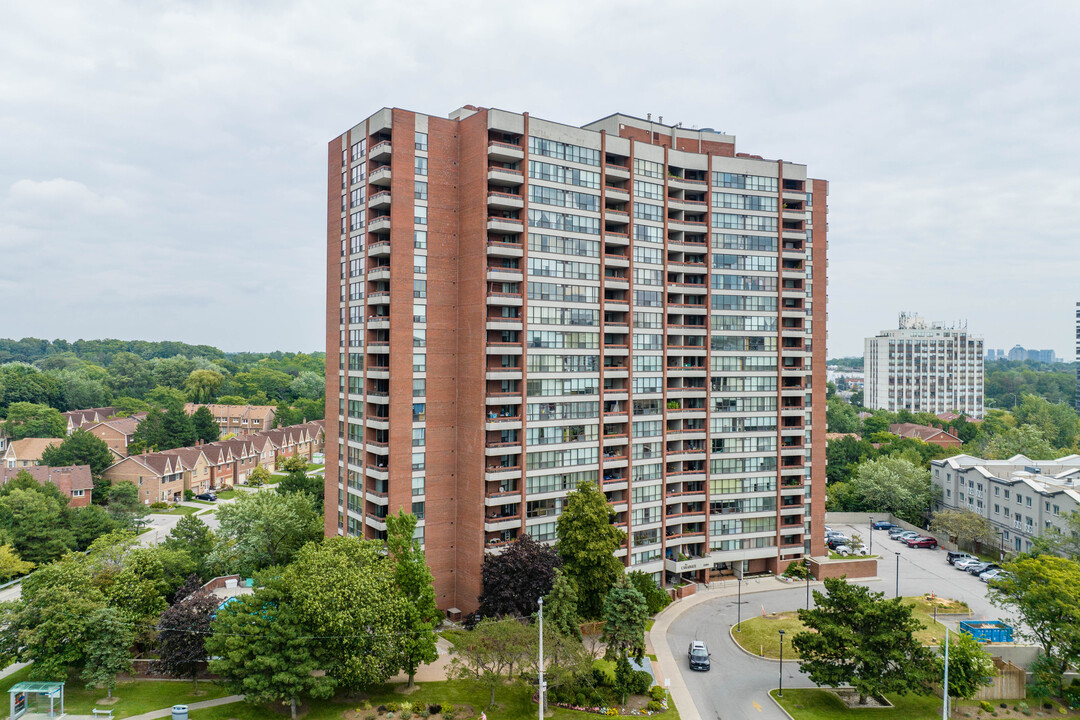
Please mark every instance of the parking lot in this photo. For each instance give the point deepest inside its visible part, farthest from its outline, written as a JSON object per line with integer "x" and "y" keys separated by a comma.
{"x": 737, "y": 685}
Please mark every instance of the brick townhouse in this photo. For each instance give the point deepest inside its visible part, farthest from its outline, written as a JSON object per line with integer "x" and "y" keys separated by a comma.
{"x": 80, "y": 418}
{"x": 159, "y": 476}
{"x": 238, "y": 419}
{"x": 74, "y": 481}
{"x": 117, "y": 433}
{"x": 27, "y": 452}
{"x": 195, "y": 467}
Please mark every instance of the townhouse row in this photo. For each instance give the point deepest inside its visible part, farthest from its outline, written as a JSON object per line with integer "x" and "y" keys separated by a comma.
{"x": 164, "y": 476}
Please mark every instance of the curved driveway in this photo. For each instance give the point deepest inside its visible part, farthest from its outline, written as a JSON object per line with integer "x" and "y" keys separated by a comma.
{"x": 737, "y": 686}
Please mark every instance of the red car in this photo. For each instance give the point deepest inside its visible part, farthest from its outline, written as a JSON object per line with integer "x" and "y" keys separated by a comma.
{"x": 922, "y": 542}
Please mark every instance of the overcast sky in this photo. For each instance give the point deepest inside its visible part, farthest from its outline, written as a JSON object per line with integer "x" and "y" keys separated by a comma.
{"x": 162, "y": 165}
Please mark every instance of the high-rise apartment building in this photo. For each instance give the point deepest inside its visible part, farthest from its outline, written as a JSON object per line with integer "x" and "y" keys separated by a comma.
{"x": 516, "y": 306}
{"x": 924, "y": 367}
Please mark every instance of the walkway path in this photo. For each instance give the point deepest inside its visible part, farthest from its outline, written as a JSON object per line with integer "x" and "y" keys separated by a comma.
{"x": 201, "y": 705}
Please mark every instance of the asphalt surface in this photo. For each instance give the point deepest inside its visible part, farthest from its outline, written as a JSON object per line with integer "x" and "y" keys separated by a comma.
{"x": 736, "y": 688}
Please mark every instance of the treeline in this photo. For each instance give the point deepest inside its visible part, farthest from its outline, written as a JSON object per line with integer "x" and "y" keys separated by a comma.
{"x": 138, "y": 375}
{"x": 1007, "y": 380}
{"x": 874, "y": 470}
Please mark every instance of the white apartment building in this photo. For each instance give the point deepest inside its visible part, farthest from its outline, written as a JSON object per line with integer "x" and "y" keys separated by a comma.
{"x": 924, "y": 367}
{"x": 1022, "y": 498}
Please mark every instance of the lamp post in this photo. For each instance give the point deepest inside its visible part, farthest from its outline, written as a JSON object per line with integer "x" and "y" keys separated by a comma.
{"x": 540, "y": 686}
{"x": 780, "y": 692}
{"x": 738, "y": 626}
{"x": 806, "y": 562}
{"x": 897, "y": 573}
{"x": 871, "y": 536}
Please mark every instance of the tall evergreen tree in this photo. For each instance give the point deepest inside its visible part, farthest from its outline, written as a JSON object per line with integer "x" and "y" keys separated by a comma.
{"x": 206, "y": 427}
{"x": 587, "y": 544}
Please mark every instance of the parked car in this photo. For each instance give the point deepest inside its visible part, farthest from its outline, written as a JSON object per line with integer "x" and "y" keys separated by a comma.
{"x": 842, "y": 550}
{"x": 906, "y": 535}
{"x": 836, "y": 541}
{"x": 980, "y": 568}
{"x": 884, "y": 525}
{"x": 923, "y": 542}
{"x": 989, "y": 575}
{"x": 966, "y": 563}
{"x": 898, "y": 531}
{"x": 828, "y": 529}
{"x": 207, "y": 496}
{"x": 698, "y": 656}
{"x": 955, "y": 556}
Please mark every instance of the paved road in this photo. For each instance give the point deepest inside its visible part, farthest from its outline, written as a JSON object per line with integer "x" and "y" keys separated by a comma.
{"x": 737, "y": 686}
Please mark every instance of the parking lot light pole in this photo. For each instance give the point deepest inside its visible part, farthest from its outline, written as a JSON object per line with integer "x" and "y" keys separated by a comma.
{"x": 806, "y": 562}
{"x": 738, "y": 625}
{"x": 897, "y": 573}
{"x": 871, "y": 536}
{"x": 780, "y": 692}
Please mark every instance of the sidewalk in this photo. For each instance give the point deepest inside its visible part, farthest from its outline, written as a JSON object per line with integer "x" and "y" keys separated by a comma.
{"x": 666, "y": 666}
{"x": 202, "y": 705}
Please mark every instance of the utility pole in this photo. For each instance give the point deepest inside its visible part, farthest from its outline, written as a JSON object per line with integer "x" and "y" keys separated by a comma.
{"x": 540, "y": 691}
{"x": 945, "y": 694}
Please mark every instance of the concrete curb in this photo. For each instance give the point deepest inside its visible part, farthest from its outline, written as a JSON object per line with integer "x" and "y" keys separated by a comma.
{"x": 778, "y": 705}
{"x": 201, "y": 705}
{"x": 731, "y": 632}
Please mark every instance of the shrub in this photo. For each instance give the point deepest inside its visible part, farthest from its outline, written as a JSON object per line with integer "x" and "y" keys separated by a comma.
{"x": 658, "y": 693}
{"x": 434, "y": 708}
{"x": 424, "y": 714}
{"x": 986, "y": 707}
{"x": 405, "y": 715}
{"x": 159, "y": 505}
{"x": 580, "y": 699}
{"x": 639, "y": 682}
{"x": 600, "y": 678}
{"x": 406, "y": 707}
{"x": 654, "y": 706}
{"x": 189, "y": 494}
{"x": 392, "y": 707}
{"x": 795, "y": 569}
{"x": 382, "y": 708}
{"x": 448, "y": 713}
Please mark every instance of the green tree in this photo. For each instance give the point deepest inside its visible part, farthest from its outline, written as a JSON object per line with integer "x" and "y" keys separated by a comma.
{"x": 298, "y": 481}
{"x": 346, "y": 590}
{"x": 862, "y": 640}
{"x": 1065, "y": 543}
{"x": 182, "y": 633}
{"x": 191, "y": 535}
{"x": 20, "y": 382}
{"x": 203, "y": 385}
{"x": 11, "y": 565}
{"x": 259, "y": 476}
{"x": 308, "y": 385}
{"x": 261, "y": 646}
{"x": 172, "y": 372}
{"x": 843, "y": 455}
{"x": 82, "y": 447}
{"x": 656, "y": 599}
{"x": 560, "y": 607}
{"x": 107, "y": 640}
{"x": 1041, "y": 592}
{"x": 893, "y": 485}
{"x": 840, "y": 417}
{"x": 80, "y": 390}
{"x": 262, "y": 529}
{"x": 26, "y": 419}
{"x": 970, "y": 666}
{"x": 178, "y": 427}
{"x": 587, "y": 541}
{"x": 150, "y": 434}
{"x": 1026, "y": 440}
{"x": 625, "y": 615}
{"x": 964, "y": 527}
{"x": 1058, "y": 422}
{"x": 206, "y": 427}
{"x": 414, "y": 581}
{"x": 89, "y": 523}
{"x": 130, "y": 375}
{"x": 35, "y": 523}
{"x": 489, "y": 649}
{"x": 123, "y": 503}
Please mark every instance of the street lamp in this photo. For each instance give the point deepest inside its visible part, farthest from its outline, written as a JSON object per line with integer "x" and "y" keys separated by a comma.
{"x": 897, "y": 573}
{"x": 871, "y": 536}
{"x": 806, "y": 563}
{"x": 738, "y": 625}
{"x": 780, "y": 693}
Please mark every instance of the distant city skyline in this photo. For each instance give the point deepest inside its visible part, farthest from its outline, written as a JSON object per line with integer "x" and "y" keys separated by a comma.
{"x": 164, "y": 167}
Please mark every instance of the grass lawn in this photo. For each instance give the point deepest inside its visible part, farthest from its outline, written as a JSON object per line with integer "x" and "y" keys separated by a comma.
{"x": 135, "y": 697}
{"x": 176, "y": 510}
{"x": 513, "y": 702}
{"x": 225, "y": 494}
{"x": 763, "y": 631}
{"x": 311, "y": 467}
{"x": 812, "y": 704}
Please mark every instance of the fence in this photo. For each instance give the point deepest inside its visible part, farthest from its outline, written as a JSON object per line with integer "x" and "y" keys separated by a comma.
{"x": 1009, "y": 682}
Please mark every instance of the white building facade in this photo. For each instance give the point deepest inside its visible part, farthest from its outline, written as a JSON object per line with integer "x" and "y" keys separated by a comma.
{"x": 924, "y": 367}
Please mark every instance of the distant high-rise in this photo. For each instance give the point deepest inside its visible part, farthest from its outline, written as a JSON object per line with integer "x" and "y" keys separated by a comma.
{"x": 924, "y": 367}
{"x": 516, "y": 306}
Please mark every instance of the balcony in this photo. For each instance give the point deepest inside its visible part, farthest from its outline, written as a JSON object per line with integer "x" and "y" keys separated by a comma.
{"x": 380, "y": 176}
{"x": 502, "y": 422}
{"x": 380, "y": 248}
{"x": 378, "y": 322}
{"x": 616, "y": 261}
{"x": 379, "y": 151}
{"x": 504, "y": 348}
{"x": 379, "y": 200}
{"x": 501, "y": 200}
{"x": 679, "y": 183}
{"x": 694, "y": 206}
{"x": 504, "y": 274}
{"x": 502, "y": 522}
{"x": 503, "y": 473}
{"x": 505, "y": 176}
{"x": 505, "y": 225}
{"x": 504, "y": 248}
{"x": 380, "y": 297}
{"x": 379, "y": 272}
{"x": 617, "y": 172}
{"x": 505, "y": 152}
{"x": 614, "y": 237}
{"x": 504, "y": 299}
{"x": 616, "y": 217}
{"x": 379, "y": 224}
{"x": 378, "y": 473}
{"x": 618, "y": 194}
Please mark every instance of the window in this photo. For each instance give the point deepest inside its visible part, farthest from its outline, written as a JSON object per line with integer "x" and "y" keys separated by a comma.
{"x": 418, "y": 461}
{"x": 420, "y": 239}
{"x": 648, "y": 211}
{"x": 419, "y": 387}
{"x": 421, "y": 141}
{"x": 420, "y": 264}
{"x": 420, "y": 190}
{"x": 562, "y": 174}
{"x": 418, "y": 439}
{"x": 419, "y": 362}
{"x": 419, "y": 412}
{"x": 421, "y": 166}
{"x": 420, "y": 214}
{"x": 563, "y": 151}
{"x": 649, "y": 168}
{"x": 419, "y": 288}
